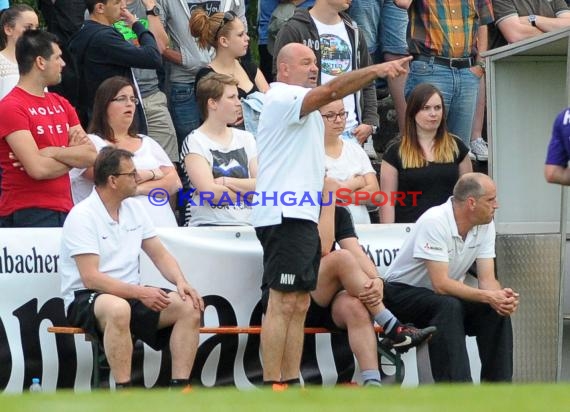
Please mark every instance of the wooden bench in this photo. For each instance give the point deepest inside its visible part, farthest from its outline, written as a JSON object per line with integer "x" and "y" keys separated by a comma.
{"x": 391, "y": 356}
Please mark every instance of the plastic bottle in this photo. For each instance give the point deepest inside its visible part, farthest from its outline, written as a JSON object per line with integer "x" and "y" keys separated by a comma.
{"x": 35, "y": 386}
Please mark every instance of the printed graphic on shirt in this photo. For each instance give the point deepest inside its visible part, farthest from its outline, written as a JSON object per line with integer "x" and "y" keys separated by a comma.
{"x": 210, "y": 7}
{"x": 336, "y": 55}
{"x": 230, "y": 164}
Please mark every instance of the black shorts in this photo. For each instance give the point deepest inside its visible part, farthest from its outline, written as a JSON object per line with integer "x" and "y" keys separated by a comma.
{"x": 320, "y": 317}
{"x": 144, "y": 321}
{"x": 291, "y": 255}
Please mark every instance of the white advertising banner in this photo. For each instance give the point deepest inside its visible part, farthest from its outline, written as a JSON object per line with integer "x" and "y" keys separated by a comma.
{"x": 223, "y": 264}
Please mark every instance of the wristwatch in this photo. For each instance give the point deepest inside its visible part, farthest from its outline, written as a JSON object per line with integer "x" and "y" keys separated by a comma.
{"x": 374, "y": 129}
{"x": 532, "y": 20}
{"x": 155, "y": 11}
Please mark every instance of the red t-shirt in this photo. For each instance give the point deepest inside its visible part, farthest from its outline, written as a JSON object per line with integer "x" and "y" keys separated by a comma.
{"x": 48, "y": 118}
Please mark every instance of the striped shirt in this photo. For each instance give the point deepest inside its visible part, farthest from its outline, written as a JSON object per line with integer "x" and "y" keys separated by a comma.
{"x": 447, "y": 28}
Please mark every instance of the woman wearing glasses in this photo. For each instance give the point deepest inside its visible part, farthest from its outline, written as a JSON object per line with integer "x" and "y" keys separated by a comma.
{"x": 220, "y": 161}
{"x": 346, "y": 161}
{"x": 428, "y": 159}
{"x": 226, "y": 33}
{"x": 112, "y": 124}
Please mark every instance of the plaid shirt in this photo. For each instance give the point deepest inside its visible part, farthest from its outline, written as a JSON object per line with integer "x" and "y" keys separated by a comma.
{"x": 447, "y": 28}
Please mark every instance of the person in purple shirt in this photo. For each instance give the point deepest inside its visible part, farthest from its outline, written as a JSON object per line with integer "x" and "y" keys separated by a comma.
{"x": 556, "y": 168}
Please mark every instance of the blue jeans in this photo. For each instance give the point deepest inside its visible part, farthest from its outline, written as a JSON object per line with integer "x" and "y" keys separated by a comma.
{"x": 459, "y": 88}
{"x": 183, "y": 109}
{"x": 384, "y": 26}
{"x": 33, "y": 217}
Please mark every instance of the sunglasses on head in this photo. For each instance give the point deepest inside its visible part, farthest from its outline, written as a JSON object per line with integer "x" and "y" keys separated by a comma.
{"x": 228, "y": 16}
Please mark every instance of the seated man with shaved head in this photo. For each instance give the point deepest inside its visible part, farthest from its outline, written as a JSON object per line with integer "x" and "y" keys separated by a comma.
{"x": 425, "y": 285}
{"x": 292, "y": 162}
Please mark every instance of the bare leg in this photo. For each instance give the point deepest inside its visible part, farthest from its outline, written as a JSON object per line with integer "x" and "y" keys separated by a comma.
{"x": 340, "y": 270}
{"x": 350, "y": 314}
{"x": 281, "y": 319}
{"x": 290, "y": 368}
{"x": 113, "y": 316}
{"x": 396, "y": 87}
{"x": 185, "y": 334}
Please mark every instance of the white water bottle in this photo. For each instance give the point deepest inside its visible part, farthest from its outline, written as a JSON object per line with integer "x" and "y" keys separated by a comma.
{"x": 35, "y": 386}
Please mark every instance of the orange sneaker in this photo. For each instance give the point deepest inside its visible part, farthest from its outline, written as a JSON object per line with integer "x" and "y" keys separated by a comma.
{"x": 279, "y": 387}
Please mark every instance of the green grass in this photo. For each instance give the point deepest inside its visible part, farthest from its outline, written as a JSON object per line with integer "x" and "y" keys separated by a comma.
{"x": 440, "y": 398}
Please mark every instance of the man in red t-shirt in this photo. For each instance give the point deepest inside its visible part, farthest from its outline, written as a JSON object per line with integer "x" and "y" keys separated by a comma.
{"x": 40, "y": 139}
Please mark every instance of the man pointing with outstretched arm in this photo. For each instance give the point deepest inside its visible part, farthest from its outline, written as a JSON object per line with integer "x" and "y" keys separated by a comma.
{"x": 292, "y": 158}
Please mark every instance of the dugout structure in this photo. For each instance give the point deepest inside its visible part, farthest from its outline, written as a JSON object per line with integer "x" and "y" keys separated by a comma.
{"x": 527, "y": 86}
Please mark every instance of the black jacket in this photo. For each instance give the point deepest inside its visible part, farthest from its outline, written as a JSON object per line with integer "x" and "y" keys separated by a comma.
{"x": 102, "y": 52}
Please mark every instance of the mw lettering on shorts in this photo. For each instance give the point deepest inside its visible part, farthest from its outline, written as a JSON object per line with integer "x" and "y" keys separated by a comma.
{"x": 287, "y": 279}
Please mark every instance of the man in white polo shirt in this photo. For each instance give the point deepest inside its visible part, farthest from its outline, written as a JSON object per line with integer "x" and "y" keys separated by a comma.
{"x": 425, "y": 285}
{"x": 101, "y": 244}
{"x": 290, "y": 144}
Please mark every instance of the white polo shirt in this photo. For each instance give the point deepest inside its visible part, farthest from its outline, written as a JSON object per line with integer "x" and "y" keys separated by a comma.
{"x": 291, "y": 158}
{"x": 435, "y": 237}
{"x": 89, "y": 229}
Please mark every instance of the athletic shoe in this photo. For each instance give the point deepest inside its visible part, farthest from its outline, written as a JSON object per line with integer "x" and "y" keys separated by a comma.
{"x": 479, "y": 149}
{"x": 404, "y": 337}
{"x": 279, "y": 387}
{"x": 372, "y": 383}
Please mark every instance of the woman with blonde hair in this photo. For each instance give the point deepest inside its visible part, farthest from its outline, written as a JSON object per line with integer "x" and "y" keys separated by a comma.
{"x": 427, "y": 159}
{"x": 226, "y": 34}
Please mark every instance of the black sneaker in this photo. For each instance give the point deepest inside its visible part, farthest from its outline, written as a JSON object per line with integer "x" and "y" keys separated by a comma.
{"x": 404, "y": 337}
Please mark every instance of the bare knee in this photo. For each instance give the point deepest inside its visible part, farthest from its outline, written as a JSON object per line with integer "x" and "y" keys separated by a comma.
{"x": 289, "y": 303}
{"x": 303, "y": 302}
{"x": 349, "y": 311}
{"x": 115, "y": 313}
{"x": 189, "y": 313}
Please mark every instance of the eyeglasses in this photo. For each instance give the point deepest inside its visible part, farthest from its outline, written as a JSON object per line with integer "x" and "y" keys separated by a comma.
{"x": 228, "y": 16}
{"x": 331, "y": 117}
{"x": 132, "y": 174}
{"x": 125, "y": 100}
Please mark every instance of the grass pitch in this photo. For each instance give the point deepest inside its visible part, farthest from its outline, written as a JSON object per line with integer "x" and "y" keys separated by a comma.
{"x": 435, "y": 398}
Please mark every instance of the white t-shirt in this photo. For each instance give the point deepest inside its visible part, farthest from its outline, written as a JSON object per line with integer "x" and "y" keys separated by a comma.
{"x": 291, "y": 157}
{"x": 9, "y": 75}
{"x": 353, "y": 160}
{"x": 149, "y": 156}
{"x": 226, "y": 161}
{"x": 337, "y": 59}
{"x": 435, "y": 237}
{"x": 89, "y": 229}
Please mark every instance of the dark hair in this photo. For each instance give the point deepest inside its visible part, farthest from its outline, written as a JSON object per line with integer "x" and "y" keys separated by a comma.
{"x": 8, "y": 18}
{"x": 31, "y": 45}
{"x": 90, "y": 4}
{"x": 208, "y": 29}
{"x": 211, "y": 86}
{"x": 469, "y": 185}
{"x": 445, "y": 147}
{"x": 108, "y": 163}
{"x": 105, "y": 93}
